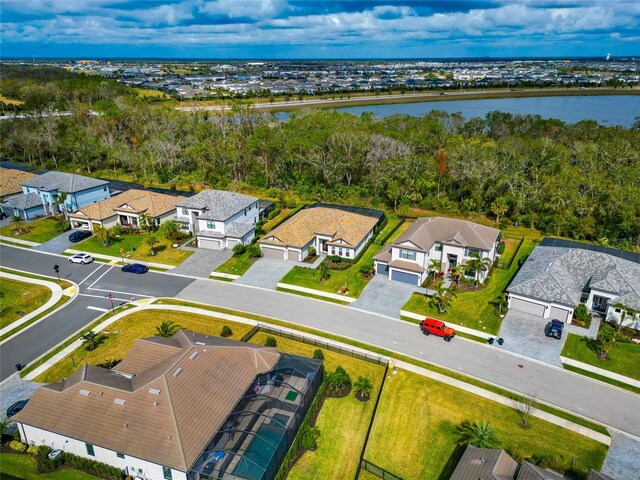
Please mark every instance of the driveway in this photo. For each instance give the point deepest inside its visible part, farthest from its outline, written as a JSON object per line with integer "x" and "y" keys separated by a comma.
{"x": 202, "y": 262}
{"x": 523, "y": 333}
{"x": 14, "y": 389}
{"x": 385, "y": 296}
{"x": 266, "y": 272}
{"x": 56, "y": 245}
{"x": 623, "y": 458}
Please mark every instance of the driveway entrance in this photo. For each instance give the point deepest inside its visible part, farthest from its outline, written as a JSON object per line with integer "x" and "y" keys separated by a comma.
{"x": 385, "y": 296}
{"x": 266, "y": 272}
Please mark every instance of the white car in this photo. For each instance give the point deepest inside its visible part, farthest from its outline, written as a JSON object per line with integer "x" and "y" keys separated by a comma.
{"x": 82, "y": 258}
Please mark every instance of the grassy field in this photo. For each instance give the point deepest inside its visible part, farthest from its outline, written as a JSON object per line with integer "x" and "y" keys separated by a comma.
{"x": 343, "y": 422}
{"x": 237, "y": 264}
{"x": 126, "y": 330}
{"x": 624, "y": 358}
{"x": 39, "y": 231}
{"x": 474, "y": 309}
{"x": 351, "y": 277}
{"x": 17, "y": 299}
{"x": 419, "y": 443}
{"x": 165, "y": 253}
{"x": 271, "y": 223}
{"x": 15, "y": 466}
{"x": 145, "y": 92}
{"x": 510, "y": 250}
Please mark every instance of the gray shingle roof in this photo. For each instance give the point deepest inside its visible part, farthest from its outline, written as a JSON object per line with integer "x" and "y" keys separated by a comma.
{"x": 24, "y": 201}
{"x": 424, "y": 232}
{"x": 63, "y": 182}
{"x": 559, "y": 275}
{"x": 219, "y": 204}
{"x": 533, "y": 472}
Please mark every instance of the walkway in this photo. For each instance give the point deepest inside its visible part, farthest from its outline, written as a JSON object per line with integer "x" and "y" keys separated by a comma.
{"x": 202, "y": 262}
{"x": 385, "y": 296}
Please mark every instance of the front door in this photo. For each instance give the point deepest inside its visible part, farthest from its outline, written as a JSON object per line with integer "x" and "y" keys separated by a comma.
{"x": 599, "y": 303}
{"x": 453, "y": 260}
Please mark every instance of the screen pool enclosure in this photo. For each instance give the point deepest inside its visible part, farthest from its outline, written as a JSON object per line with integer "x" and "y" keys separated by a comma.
{"x": 257, "y": 434}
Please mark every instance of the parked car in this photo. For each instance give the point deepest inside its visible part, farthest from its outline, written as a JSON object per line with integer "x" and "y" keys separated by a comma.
{"x": 431, "y": 325}
{"x": 82, "y": 258}
{"x": 3, "y": 215}
{"x": 135, "y": 268}
{"x": 79, "y": 235}
{"x": 553, "y": 329}
{"x": 16, "y": 407}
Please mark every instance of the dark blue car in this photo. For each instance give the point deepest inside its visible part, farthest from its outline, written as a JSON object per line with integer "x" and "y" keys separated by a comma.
{"x": 79, "y": 235}
{"x": 16, "y": 407}
{"x": 553, "y": 329}
{"x": 135, "y": 268}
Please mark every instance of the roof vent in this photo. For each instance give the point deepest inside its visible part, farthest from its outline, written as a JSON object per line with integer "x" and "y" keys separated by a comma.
{"x": 193, "y": 355}
{"x": 177, "y": 372}
{"x": 155, "y": 404}
{"x": 200, "y": 343}
{"x": 84, "y": 392}
{"x": 119, "y": 401}
{"x": 154, "y": 391}
{"x": 125, "y": 425}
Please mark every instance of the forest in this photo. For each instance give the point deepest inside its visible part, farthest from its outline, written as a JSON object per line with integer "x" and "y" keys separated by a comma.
{"x": 580, "y": 181}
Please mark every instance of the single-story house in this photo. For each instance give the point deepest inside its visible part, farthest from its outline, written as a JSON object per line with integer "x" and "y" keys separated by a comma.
{"x": 11, "y": 181}
{"x": 191, "y": 406}
{"x": 80, "y": 190}
{"x": 553, "y": 281}
{"x": 331, "y": 231}
{"x": 219, "y": 219}
{"x": 125, "y": 209}
{"x": 12, "y": 201}
{"x": 448, "y": 240}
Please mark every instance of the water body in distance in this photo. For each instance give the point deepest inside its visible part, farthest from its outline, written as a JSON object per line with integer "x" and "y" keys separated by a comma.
{"x": 606, "y": 110}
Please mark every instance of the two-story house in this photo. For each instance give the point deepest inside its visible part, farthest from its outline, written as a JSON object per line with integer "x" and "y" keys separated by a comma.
{"x": 447, "y": 240}
{"x": 219, "y": 219}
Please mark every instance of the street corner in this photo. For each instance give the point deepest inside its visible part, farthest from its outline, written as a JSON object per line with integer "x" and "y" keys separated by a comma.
{"x": 143, "y": 301}
{"x": 70, "y": 291}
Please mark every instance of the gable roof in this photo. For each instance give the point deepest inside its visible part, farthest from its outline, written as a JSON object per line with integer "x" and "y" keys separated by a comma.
{"x": 11, "y": 180}
{"x": 218, "y": 204}
{"x": 63, "y": 182}
{"x": 168, "y": 411}
{"x": 424, "y": 232}
{"x": 299, "y": 230}
{"x": 24, "y": 201}
{"x": 132, "y": 201}
{"x": 484, "y": 463}
{"x": 557, "y": 274}
{"x": 529, "y": 471}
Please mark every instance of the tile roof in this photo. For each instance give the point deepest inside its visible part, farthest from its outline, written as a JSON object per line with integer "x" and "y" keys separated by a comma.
{"x": 218, "y": 204}
{"x": 557, "y": 274}
{"x": 63, "y": 182}
{"x": 302, "y": 228}
{"x": 11, "y": 180}
{"x": 424, "y": 232}
{"x": 486, "y": 464}
{"x": 529, "y": 471}
{"x": 132, "y": 201}
{"x": 24, "y": 201}
{"x": 168, "y": 412}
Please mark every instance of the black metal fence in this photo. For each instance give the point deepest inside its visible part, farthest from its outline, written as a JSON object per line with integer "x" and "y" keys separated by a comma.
{"x": 377, "y": 471}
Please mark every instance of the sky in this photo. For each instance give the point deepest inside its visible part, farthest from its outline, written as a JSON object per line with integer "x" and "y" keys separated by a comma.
{"x": 290, "y": 29}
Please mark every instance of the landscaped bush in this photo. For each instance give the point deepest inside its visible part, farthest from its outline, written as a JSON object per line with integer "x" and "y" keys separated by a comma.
{"x": 91, "y": 466}
{"x": 239, "y": 249}
{"x": 312, "y": 252}
{"x": 338, "y": 382}
{"x": 270, "y": 341}
{"x": 309, "y": 437}
{"x": 63, "y": 226}
{"x": 116, "y": 230}
{"x": 254, "y": 251}
{"x": 226, "y": 331}
{"x": 274, "y": 213}
{"x": 581, "y": 316}
{"x": 46, "y": 462}
{"x": 502, "y": 247}
{"x": 33, "y": 449}
{"x": 318, "y": 354}
{"x": 17, "y": 446}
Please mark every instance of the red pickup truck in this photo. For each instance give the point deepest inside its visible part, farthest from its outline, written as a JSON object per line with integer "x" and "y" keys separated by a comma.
{"x": 431, "y": 325}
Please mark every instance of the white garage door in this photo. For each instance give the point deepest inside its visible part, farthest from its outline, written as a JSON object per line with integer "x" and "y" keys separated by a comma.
{"x": 268, "y": 252}
{"x": 529, "y": 307}
{"x": 559, "y": 314}
{"x": 209, "y": 243}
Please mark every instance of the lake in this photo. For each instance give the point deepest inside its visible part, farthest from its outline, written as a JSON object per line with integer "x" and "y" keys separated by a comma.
{"x": 606, "y": 109}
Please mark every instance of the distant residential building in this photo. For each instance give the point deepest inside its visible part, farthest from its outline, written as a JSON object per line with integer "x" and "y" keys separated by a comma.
{"x": 11, "y": 188}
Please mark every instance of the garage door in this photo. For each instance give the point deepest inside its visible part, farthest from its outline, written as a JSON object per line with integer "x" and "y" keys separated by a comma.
{"x": 528, "y": 307}
{"x": 404, "y": 277}
{"x": 383, "y": 268}
{"x": 559, "y": 314}
{"x": 232, "y": 242}
{"x": 273, "y": 253}
{"x": 294, "y": 255}
{"x": 209, "y": 243}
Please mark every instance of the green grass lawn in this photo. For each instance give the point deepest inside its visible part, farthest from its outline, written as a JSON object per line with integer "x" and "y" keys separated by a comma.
{"x": 511, "y": 248}
{"x": 310, "y": 278}
{"x": 15, "y": 466}
{"x": 272, "y": 223}
{"x": 39, "y": 231}
{"x": 138, "y": 324}
{"x": 413, "y": 434}
{"x": 237, "y": 264}
{"x": 474, "y": 309}
{"x": 343, "y": 422}
{"x": 17, "y": 299}
{"x": 165, "y": 253}
{"x": 624, "y": 358}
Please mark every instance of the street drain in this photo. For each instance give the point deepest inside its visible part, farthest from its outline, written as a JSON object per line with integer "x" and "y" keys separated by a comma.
{"x": 520, "y": 366}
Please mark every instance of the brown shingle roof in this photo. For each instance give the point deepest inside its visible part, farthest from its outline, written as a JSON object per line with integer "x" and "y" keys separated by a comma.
{"x": 424, "y": 232}
{"x": 301, "y": 229}
{"x": 131, "y": 201}
{"x": 486, "y": 464}
{"x": 11, "y": 180}
{"x": 170, "y": 411}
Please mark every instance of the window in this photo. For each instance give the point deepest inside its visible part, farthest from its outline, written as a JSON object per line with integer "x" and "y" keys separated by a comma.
{"x": 340, "y": 251}
{"x": 617, "y": 310}
{"x": 90, "y": 450}
{"x": 167, "y": 473}
{"x": 333, "y": 251}
{"x": 120, "y": 455}
{"x": 211, "y": 225}
{"x": 407, "y": 254}
{"x": 346, "y": 253}
{"x": 185, "y": 211}
{"x": 473, "y": 252}
{"x": 438, "y": 247}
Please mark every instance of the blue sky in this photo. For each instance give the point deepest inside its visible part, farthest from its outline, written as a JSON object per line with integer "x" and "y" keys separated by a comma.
{"x": 319, "y": 29}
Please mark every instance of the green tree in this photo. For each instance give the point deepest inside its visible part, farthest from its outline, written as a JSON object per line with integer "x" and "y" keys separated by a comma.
{"x": 151, "y": 241}
{"x": 146, "y": 223}
{"x": 103, "y": 235}
{"x": 325, "y": 273}
{"x": 624, "y": 311}
{"x": 363, "y": 387}
{"x": 338, "y": 379}
{"x": 170, "y": 230}
{"x": 17, "y": 221}
{"x": 59, "y": 200}
{"x": 238, "y": 249}
{"x": 457, "y": 272}
{"x": 499, "y": 207}
{"x": 605, "y": 340}
{"x": 435, "y": 267}
{"x": 90, "y": 340}
{"x": 442, "y": 297}
{"x": 167, "y": 329}
{"x": 477, "y": 434}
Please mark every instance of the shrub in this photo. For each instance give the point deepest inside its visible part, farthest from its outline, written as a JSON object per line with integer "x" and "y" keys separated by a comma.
{"x": 338, "y": 380}
{"x": 16, "y": 435}
{"x": 309, "y": 437}
{"x": 312, "y": 252}
{"x": 98, "y": 469}
{"x": 226, "y": 331}
{"x": 582, "y": 313}
{"x": 63, "y": 226}
{"x": 239, "y": 249}
{"x": 336, "y": 258}
{"x": 17, "y": 446}
{"x": 274, "y": 213}
{"x": 318, "y": 354}
{"x": 33, "y": 449}
{"x": 501, "y": 248}
{"x": 254, "y": 251}
{"x": 116, "y": 230}
{"x": 271, "y": 341}
{"x": 109, "y": 363}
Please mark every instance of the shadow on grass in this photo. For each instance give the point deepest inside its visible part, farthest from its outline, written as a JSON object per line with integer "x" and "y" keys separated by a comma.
{"x": 452, "y": 462}
{"x": 592, "y": 345}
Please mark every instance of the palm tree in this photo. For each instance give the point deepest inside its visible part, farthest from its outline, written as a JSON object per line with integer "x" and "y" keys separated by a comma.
{"x": 337, "y": 380}
{"x": 90, "y": 340}
{"x": 363, "y": 386}
{"x": 146, "y": 222}
{"x": 103, "y": 235}
{"x": 457, "y": 272}
{"x": 59, "y": 199}
{"x": 436, "y": 267}
{"x": 502, "y": 301}
{"x": 152, "y": 241}
{"x": 485, "y": 265}
{"x": 477, "y": 434}
{"x": 170, "y": 229}
{"x": 478, "y": 265}
{"x": 324, "y": 273}
{"x": 442, "y": 297}
{"x": 17, "y": 221}
{"x": 167, "y": 329}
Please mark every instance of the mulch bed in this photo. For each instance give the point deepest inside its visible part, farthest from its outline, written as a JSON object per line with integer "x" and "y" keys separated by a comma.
{"x": 362, "y": 398}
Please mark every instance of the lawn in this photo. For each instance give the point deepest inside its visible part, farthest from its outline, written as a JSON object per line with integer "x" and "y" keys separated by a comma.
{"x": 624, "y": 358}
{"x": 39, "y": 231}
{"x": 165, "y": 253}
{"x": 237, "y": 264}
{"x": 419, "y": 442}
{"x": 351, "y": 277}
{"x": 474, "y": 309}
{"x": 17, "y": 299}
{"x": 125, "y": 331}
{"x": 14, "y": 466}
{"x": 511, "y": 248}
{"x": 268, "y": 226}
{"x": 343, "y": 422}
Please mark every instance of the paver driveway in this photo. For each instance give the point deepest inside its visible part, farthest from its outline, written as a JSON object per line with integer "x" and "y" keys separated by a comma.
{"x": 202, "y": 262}
{"x": 385, "y": 296}
{"x": 266, "y": 273}
{"x": 58, "y": 244}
